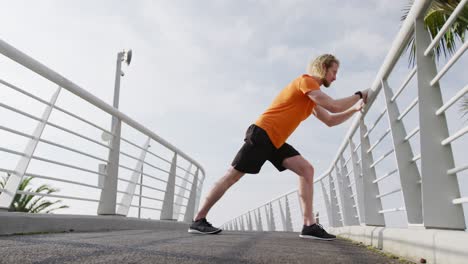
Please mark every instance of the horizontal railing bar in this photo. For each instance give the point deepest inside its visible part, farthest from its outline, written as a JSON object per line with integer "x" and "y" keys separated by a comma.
{"x": 388, "y": 193}
{"x": 182, "y": 187}
{"x": 66, "y": 165}
{"x": 450, "y": 63}
{"x": 149, "y": 187}
{"x": 457, "y": 169}
{"x": 140, "y": 172}
{"x": 452, "y": 100}
{"x": 416, "y": 158}
{"x": 415, "y": 101}
{"x": 405, "y": 83}
{"x": 392, "y": 210}
{"x": 56, "y": 196}
{"x": 385, "y": 176}
{"x": 144, "y": 207}
{"x": 357, "y": 147}
{"x": 122, "y": 192}
{"x": 144, "y": 162}
{"x": 353, "y": 195}
{"x": 147, "y": 150}
{"x": 78, "y": 135}
{"x": 460, "y": 200}
{"x": 347, "y": 160}
{"x": 189, "y": 172}
{"x": 375, "y": 123}
{"x": 51, "y": 143}
{"x": 50, "y": 161}
{"x": 151, "y": 198}
{"x": 181, "y": 196}
{"x": 61, "y": 180}
{"x": 351, "y": 183}
{"x": 51, "y": 124}
{"x": 349, "y": 173}
{"x": 379, "y": 140}
{"x": 452, "y": 138}
{"x": 445, "y": 27}
{"x": 181, "y": 205}
{"x": 16, "y": 88}
{"x": 54, "y": 106}
{"x": 381, "y": 158}
{"x": 410, "y": 135}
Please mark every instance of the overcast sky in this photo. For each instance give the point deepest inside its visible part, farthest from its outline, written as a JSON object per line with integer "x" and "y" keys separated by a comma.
{"x": 203, "y": 71}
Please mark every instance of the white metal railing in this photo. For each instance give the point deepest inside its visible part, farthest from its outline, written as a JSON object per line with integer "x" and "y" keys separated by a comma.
{"x": 154, "y": 176}
{"x": 427, "y": 182}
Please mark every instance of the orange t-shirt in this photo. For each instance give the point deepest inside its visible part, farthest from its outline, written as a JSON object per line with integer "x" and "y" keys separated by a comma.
{"x": 288, "y": 110}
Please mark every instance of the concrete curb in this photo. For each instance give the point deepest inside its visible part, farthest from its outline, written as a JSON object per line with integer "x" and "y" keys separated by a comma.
{"x": 435, "y": 246}
{"x": 20, "y": 223}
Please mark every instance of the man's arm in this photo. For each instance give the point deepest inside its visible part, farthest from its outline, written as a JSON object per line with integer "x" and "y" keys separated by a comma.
{"x": 335, "y": 105}
{"x": 335, "y": 119}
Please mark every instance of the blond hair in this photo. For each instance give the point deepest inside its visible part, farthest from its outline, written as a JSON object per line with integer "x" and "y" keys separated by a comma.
{"x": 315, "y": 67}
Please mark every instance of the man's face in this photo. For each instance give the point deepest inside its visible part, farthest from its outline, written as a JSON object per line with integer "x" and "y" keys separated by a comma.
{"x": 330, "y": 76}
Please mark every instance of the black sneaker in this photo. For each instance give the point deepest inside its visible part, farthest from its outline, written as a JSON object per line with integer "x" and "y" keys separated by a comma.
{"x": 316, "y": 231}
{"x": 201, "y": 226}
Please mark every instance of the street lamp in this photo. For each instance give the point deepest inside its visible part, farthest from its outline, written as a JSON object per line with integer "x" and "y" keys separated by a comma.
{"x": 123, "y": 56}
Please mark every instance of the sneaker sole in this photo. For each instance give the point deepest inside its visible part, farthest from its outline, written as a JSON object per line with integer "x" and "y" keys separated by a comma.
{"x": 317, "y": 238}
{"x": 193, "y": 231}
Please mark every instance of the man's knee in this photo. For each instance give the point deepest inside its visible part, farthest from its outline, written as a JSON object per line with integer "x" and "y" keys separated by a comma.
{"x": 233, "y": 175}
{"x": 308, "y": 171}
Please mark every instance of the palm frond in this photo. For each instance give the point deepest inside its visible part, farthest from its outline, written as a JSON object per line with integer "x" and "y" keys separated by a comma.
{"x": 434, "y": 20}
{"x": 464, "y": 105}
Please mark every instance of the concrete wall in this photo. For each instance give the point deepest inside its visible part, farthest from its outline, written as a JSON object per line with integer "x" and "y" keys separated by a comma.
{"x": 435, "y": 246}
{"x": 18, "y": 223}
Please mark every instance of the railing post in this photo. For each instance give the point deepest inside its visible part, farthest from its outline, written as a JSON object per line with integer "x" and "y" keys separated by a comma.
{"x": 283, "y": 215}
{"x": 168, "y": 204}
{"x": 289, "y": 226}
{"x": 357, "y": 171}
{"x": 127, "y": 197}
{"x": 327, "y": 203}
{"x": 272, "y": 219}
{"x": 408, "y": 171}
{"x": 249, "y": 222}
{"x": 335, "y": 210}
{"x": 259, "y": 223}
{"x": 199, "y": 190}
{"x": 13, "y": 182}
{"x": 438, "y": 188}
{"x": 182, "y": 190}
{"x": 242, "y": 223}
{"x": 372, "y": 204}
{"x": 349, "y": 212}
{"x": 190, "y": 211}
{"x": 107, "y": 201}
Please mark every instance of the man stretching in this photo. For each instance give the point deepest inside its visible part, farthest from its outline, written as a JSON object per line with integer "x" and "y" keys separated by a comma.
{"x": 266, "y": 140}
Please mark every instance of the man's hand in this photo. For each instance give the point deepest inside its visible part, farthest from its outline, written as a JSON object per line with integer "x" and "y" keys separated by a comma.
{"x": 366, "y": 94}
{"x": 358, "y": 105}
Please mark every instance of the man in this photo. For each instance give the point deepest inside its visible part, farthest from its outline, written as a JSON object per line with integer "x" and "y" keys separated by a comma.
{"x": 266, "y": 140}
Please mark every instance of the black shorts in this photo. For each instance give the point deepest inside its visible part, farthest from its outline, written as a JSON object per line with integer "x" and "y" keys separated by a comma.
{"x": 257, "y": 149}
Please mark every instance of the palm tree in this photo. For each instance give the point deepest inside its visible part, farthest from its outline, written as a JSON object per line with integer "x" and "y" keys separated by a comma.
{"x": 27, "y": 203}
{"x": 434, "y": 20}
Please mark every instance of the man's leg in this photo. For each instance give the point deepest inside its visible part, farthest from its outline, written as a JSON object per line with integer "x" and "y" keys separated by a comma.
{"x": 306, "y": 191}
{"x": 221, "y": 186}
{"x": 305, "y": 171}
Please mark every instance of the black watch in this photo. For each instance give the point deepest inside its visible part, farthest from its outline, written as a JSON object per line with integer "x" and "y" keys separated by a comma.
{"x": 359, "y": 93}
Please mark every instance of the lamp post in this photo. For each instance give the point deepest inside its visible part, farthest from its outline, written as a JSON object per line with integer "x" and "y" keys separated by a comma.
{"x": 107, "y": 202}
